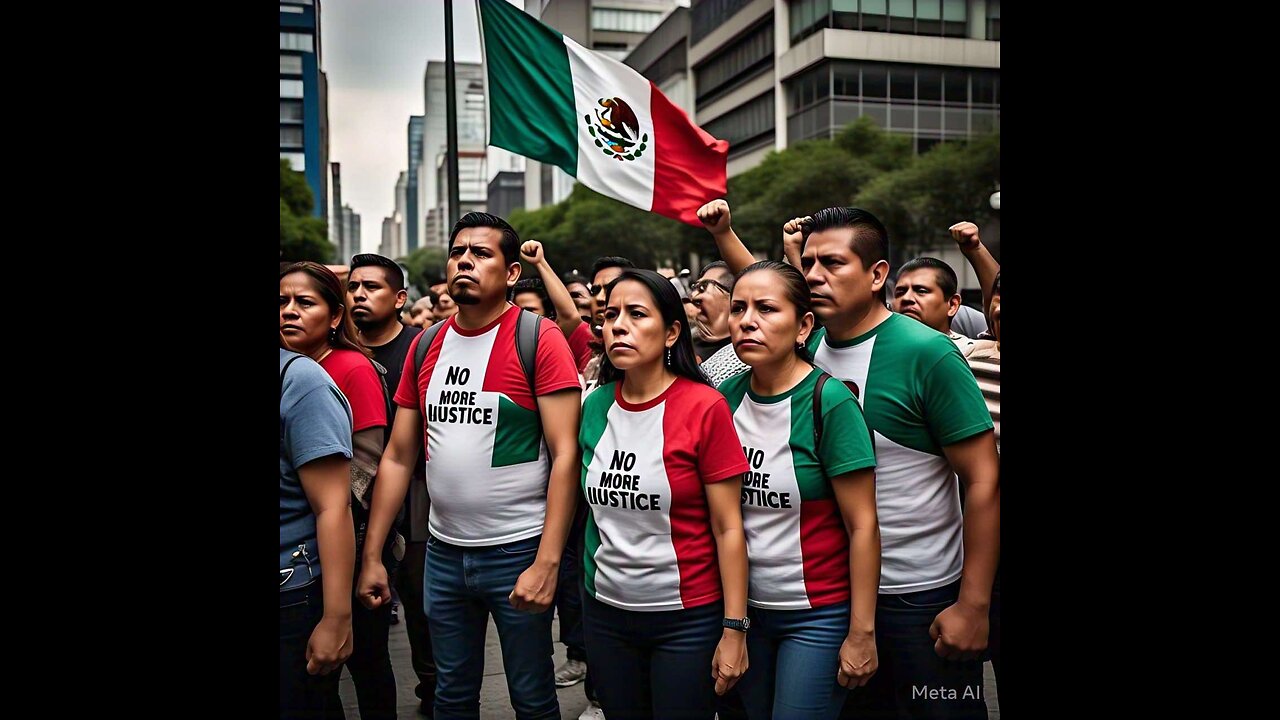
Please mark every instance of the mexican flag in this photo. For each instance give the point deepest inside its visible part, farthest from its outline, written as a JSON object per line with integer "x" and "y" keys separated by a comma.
{"x": 552, "y": 100}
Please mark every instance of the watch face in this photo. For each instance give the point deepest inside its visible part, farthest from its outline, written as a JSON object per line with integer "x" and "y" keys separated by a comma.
{"x": 746, "y": 623}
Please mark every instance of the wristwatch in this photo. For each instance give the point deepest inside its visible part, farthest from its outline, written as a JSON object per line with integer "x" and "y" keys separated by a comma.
{"x": 741, "y": 625}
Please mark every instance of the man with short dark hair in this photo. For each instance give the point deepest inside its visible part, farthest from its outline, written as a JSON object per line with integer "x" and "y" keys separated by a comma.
{"x": 927, "y": 289}
{"x": 375, "y": 293}
{"x": 530, "y": 294}
{"x": 931, "y": 425}
{"x": 604, "y": 271}
{"x": 502, "y": 451}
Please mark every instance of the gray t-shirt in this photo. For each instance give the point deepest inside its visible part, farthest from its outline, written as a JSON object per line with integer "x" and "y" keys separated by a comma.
{"x": 969, "y": 322}
{"x": 315, "y": 422}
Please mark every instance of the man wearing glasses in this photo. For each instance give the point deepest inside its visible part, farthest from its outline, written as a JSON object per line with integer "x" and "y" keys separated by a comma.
{"x": 711, "y": 296}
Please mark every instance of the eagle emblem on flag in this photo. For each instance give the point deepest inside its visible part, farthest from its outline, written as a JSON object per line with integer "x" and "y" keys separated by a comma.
{"x": 616, "y": 130}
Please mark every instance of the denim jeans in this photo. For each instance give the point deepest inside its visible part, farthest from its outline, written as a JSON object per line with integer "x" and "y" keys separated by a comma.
{"x": 794, "y": 656}
{"x": 653, "y": 665}
{"x": 913, "y": 681}
{"x": 313, "y": 697}
{"x": 464, "y": 585}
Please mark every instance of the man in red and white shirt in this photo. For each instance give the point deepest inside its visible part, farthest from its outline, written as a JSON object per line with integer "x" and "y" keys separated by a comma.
{"x": 501, "y": 455}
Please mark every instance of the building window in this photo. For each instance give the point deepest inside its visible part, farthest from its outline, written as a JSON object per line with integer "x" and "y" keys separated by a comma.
{"x": 993, "y": 19}
{"x": 928, "y": 17}
{"x": 902, "y": 16}
{"x": 753, "y": 120}
{"x": 672, "y": 62}
{"x": 290, "y": 136}
{"x": 955, "y": 16}
{"x": 811, "y": 87}
{"x": 290, "y": 111}
{"x": 290, "y": 88}
{"x": 296, "y": 41}
{"x": 737, "y": 62}
{"x": 291, "y": 9}
{"x": 297, "y": 160}
{"x": 617, "y": 51}
{"x": 290, "y": 64}
{"x": 636, "y": 21}
{"x": 875, "y": 15}
{"x": 938, "y": 18}
{"x": 711, "y": 14}
{"x": 919, "y": 100}
{"x": 808, "y": 17}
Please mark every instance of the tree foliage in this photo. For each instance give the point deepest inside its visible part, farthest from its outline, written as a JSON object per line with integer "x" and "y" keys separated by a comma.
{"x": 303, "y": 236}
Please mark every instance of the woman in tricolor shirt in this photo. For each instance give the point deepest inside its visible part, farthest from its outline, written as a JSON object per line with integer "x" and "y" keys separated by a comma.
{"x": 665, "y": 563}
{"x": 808, "y": 506}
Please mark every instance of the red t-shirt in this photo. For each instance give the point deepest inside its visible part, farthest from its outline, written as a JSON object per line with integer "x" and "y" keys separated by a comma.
{"x": 487, "y": 467}
{"x": 354, "y": 375}
{"x": 580, "y": 345}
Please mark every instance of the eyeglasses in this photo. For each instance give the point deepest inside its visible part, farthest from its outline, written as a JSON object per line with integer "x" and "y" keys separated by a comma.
{"x": 702, "y": 285}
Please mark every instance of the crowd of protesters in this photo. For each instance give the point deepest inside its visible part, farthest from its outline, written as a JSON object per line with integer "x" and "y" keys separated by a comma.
{"x": 771, "y": 492}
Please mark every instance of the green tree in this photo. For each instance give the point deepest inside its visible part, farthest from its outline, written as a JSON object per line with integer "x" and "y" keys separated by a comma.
{"x": 426, "y": 266}
{"x": 302, "y": 235}
{"x": 951, "y": 182}
{"x": 804, "y": 178}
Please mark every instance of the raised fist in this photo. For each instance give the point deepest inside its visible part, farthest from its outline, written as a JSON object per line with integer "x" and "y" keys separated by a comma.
{"x": 715, "y": 216}
{"x": 965, "y": 234}
{"x": 531, "y": 252}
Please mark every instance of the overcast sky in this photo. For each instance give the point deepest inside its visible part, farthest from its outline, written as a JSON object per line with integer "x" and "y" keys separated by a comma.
{"x": 375, "y": 54}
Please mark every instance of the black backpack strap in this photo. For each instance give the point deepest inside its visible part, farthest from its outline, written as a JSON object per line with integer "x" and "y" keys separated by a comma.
{"x": 527, "y": 345}
{"x": 817, "y": 410}
{"x": 425, "y": 339}
{"x": 282, "y": 371}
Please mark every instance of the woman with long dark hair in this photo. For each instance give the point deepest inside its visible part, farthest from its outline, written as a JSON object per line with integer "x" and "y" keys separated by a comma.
{"x": 315, "y": 322}
{"x": 665, "y": 564}
{"x": 808, "y": 507}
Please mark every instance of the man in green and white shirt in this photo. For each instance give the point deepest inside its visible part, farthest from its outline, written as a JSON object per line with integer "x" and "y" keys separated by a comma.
{"x": 930, "y": 426}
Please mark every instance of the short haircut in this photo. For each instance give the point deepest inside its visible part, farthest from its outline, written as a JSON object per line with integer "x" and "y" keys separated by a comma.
{"x": 870, "y": 237}
{"x": 394, "y": 273}
{"x": 533, "y": 285}
{"x": 510, "y": 242}
{"x": 947, "y": 280}
{"x": 607, "y": 262}
{"x": 718, "y": 265}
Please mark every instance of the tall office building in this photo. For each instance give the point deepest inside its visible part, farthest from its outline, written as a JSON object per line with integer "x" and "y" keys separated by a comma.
{"x": 304, "y": 107}
{"x": 472, "y": 141}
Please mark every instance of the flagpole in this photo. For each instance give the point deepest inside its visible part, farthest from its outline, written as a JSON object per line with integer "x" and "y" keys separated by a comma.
{"x": 451, "y": 118}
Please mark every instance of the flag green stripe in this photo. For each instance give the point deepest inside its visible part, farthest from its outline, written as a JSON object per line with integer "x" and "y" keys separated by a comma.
{"x": 530, "y": 87}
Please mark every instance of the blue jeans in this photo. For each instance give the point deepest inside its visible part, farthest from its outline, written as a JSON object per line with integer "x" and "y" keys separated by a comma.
{"x": 463, "y": 586}
{"x": 913, "y": 681}
{"x": 313, "y": 697}
{"x": 794, "y": 656}
{"x": 653, "y": 665}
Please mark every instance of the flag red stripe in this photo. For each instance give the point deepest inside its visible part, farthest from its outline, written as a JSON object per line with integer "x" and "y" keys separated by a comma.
{"x": 689, "y": 164}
